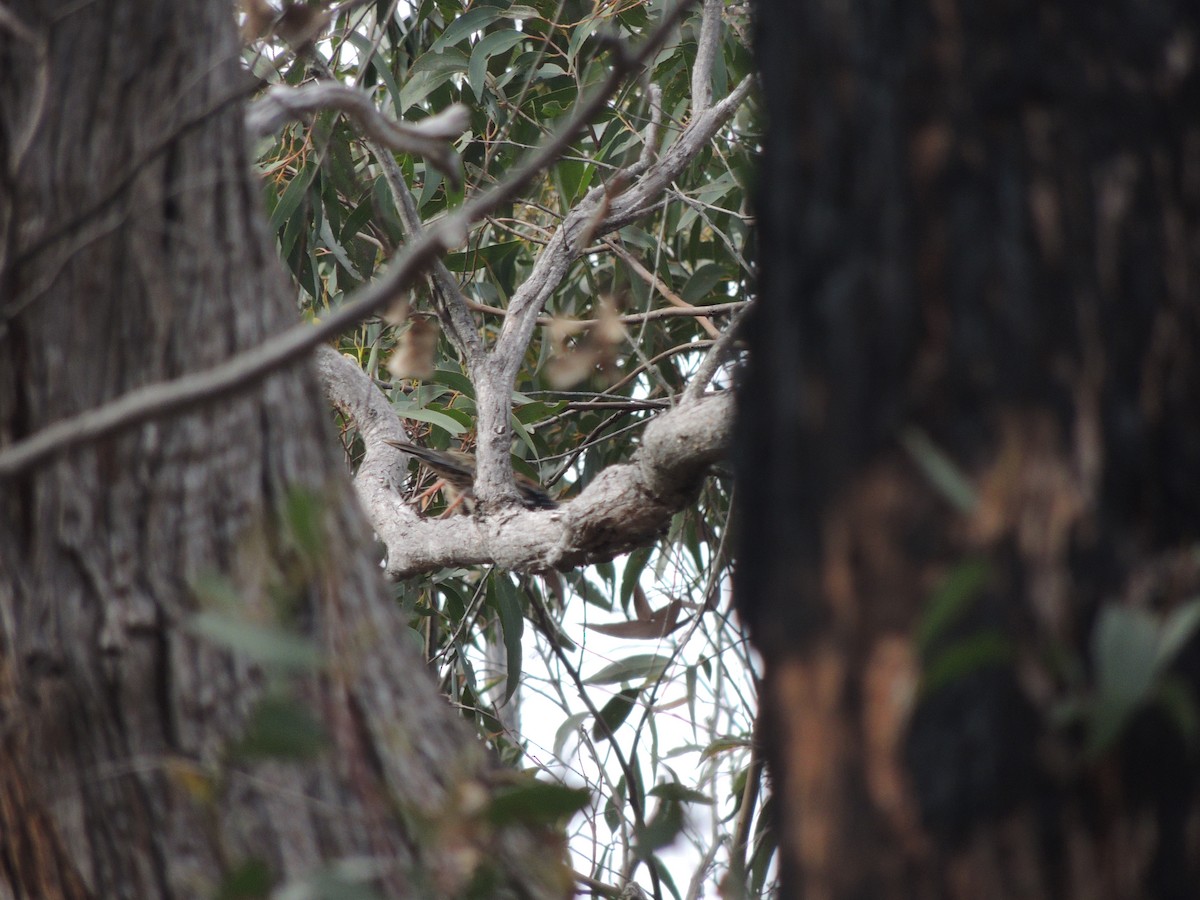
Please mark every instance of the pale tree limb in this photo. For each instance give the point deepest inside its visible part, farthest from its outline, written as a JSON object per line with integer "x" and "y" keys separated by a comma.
{"x": 706, "y": 53}
{"x": 383, "y": 468}
{"x": 251, "y": 366}
{"x": 430, "y": 138}
{"x": 597, "y": 213}
{"x": 626, "y": 506}
{"x": 650, "y": 147}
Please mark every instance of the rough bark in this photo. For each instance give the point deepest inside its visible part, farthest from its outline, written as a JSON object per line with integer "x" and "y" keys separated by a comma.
{"x": 132, "y": 250}
{"x": 979, "y": 232}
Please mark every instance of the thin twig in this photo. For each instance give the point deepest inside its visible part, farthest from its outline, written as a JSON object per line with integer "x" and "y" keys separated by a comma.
{"x": 635, "y": 803}
{"x": 716, "y": 355}
{"x": 430, "y": 138}
{"x": 741, "y": 834}
{"x": 666, "y": 312}
{"x": 658, "y": 284}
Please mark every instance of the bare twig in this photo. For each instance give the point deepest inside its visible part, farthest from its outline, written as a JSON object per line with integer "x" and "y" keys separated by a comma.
{"x": 666, "y": 312}
{"x": 716, "y": 356}
{"x": 661, "y": 286}
{"x": 739, "y": 852}
{"x": 429, "y": 138}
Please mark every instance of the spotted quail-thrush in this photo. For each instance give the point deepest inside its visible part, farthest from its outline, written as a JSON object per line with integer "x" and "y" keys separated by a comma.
{"x": 456, "y": 468}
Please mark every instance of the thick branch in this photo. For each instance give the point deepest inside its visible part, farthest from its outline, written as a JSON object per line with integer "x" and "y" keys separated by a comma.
{"x": 429, "y": 138}
{"x": 625, "y": 507}
{"x": 382, "y": 470}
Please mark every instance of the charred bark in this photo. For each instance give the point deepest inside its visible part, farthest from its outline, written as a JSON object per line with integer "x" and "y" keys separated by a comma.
{"x": 133, "y": 249}
{"x": 975, "y": 369}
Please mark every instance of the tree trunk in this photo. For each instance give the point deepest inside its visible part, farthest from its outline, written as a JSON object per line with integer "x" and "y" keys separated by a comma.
{"x": 975, "y": 374}
{"x": 134, "y": 250}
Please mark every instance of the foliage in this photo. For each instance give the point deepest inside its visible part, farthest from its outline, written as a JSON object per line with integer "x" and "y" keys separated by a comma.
{"x": 663, "y": 723}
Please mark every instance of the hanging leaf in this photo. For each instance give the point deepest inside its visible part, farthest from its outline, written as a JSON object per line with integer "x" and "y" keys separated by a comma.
{"x": 614, "y": 713}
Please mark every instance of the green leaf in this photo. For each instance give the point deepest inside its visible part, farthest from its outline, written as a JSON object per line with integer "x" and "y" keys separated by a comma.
{"x": 537, "y": 410}
{"x": 570, "y": 726}
{"x": 723, "y": 745}
{"x": 648, "y": 666}
{"x": 677, "y": 793}
{"x": 266, "y": 645}
{"x": 429, "y": 187}
{"x": 961, "y": 658}
{"x": 339, "y": 252}
{"x": 491, "y": 45}
{"x": 1125, "y": 649}
{"x": 364, "y": 45}
{"x": 357, "y": 219}
{"x": 304, "y": 516}
{"x": 455, "y": 381}
{"x": 634, "y": 566}
{"x": 1179, "y": 628}
{"x": 614, "y": 713}
{"x": 464, "y": 26}
{"x": 951, "y": 600}
{"x": 248, "y": 880}
{"x": 575, "y": 176}
{"x": 523, "y": 434}
{"x": 290, "y": 199}
{"x": 580, "y": 34}
{"x": 1178, "y": 700}
{"x": 942, "y": 472}
{"x": 661, "y": 830}
{"x": 428, "y": 74}
{"x": 512, "y": 623}
{"x": 489, "y": 254}
{"x": 442, "y": 419}
{"x": 702, "y": 282}
{"x": 537, "y": 803}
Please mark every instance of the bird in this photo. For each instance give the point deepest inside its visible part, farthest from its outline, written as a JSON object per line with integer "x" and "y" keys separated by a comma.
{"x": 455, "y": 470}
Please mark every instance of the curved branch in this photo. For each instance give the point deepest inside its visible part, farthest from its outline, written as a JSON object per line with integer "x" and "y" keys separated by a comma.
{"x": 625, "y": 507}
{"x": 429, "y": 138}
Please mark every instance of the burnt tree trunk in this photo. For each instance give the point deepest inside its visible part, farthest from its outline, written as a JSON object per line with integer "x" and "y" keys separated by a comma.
{"x": 133, "y": 249}
{"x": 975, "y": 374}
